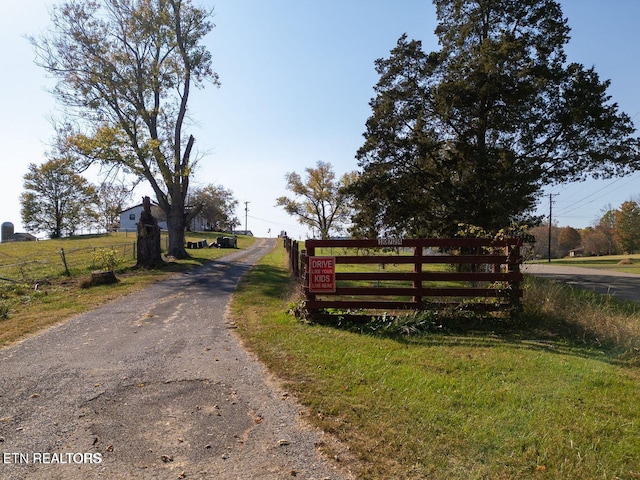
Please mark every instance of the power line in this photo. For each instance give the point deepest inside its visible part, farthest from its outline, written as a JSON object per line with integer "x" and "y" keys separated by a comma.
{"x": 299, "y": 229}
{"x": 578, "y": 204}
{"x": 275, "y": 222}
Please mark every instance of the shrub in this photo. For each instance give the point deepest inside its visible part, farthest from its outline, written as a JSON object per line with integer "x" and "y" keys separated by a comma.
{"x": 106, "y": 258}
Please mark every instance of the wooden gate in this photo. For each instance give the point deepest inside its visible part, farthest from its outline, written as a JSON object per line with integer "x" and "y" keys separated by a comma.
{"x": 418, "y": 274}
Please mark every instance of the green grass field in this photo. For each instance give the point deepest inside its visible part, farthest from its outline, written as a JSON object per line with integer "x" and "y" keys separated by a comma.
{"x": 36, "y": 292}
{"x": 35, "y": 261}
{"x": 618, "y": 263}
{"x": 551, "y": 394}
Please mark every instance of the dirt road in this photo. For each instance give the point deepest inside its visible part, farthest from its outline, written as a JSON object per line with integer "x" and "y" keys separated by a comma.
{"x": 153, "y": 385}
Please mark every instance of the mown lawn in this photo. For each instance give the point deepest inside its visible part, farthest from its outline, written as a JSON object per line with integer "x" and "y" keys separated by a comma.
{"x": 551, "y": 394}
{"x": 618, "y": 263}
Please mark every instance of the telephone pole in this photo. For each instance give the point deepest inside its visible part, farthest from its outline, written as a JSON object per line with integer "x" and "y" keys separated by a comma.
{"x": 551, "y": 195}
{"x": 246, "y": 215}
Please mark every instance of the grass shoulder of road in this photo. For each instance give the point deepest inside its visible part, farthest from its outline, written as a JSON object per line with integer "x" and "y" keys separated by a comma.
{"x": 545, "y": 396}
{"x": 28, "y": 307}
{"x": 616, "y": 263}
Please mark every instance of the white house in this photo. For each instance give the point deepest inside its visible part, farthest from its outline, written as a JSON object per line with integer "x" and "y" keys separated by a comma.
{"x": 130, "y": 217}
{"x": 199, "y": 224}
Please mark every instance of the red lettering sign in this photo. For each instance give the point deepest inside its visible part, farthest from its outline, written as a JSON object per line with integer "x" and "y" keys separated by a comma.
{"x": 322, "y": 274}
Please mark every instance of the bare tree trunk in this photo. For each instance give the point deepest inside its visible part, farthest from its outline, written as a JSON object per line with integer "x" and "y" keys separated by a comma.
{"x": 176, "y": 227}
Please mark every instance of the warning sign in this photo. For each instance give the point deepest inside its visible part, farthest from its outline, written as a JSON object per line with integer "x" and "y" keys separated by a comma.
{"x": 322, "y": 274}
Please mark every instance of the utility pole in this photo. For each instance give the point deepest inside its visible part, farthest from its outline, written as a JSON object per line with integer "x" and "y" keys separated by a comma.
{"x": 246, "y": 215}
{"x": 550, "y": 222}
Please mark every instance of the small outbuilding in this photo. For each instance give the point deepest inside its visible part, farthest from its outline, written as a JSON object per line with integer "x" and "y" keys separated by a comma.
{"x": 21, "y": 237}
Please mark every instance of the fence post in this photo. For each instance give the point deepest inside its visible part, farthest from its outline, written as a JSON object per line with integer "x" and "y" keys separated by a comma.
{"x": 304, "y": 274}
{"x": 64, "y": 260}
{"x": 307, "y": 252}
{"x": 417, "y": 269}
{"x": 303, "y": 264}
{"x": 513, "y": 265}
{"x": 295, "y": 256}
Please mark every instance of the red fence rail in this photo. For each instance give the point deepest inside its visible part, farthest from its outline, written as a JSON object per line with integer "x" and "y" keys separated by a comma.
{"x": 486, "y": 272}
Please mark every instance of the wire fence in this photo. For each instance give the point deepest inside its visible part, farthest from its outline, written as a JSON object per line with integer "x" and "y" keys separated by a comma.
{"x": 70, "y": 262}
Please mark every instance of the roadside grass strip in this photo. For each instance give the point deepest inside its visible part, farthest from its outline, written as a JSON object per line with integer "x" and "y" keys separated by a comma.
{"x": 541, "y": 396}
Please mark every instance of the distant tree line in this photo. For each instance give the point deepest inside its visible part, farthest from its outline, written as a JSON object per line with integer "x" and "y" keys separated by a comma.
{"x": 617, "y": 231}
{"x": 59, "y": 201}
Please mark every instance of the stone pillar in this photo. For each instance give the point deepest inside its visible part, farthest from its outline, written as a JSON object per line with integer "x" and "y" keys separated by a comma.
{"x": 148, "y": 244}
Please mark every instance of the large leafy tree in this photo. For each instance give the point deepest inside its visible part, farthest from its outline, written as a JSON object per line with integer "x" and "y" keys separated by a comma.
{"x": 113, "y": 198}
{"x": 541, "y": 247}
{"x": 126, "y": 68}
{"x": 218, "y": 206}
{"x": 472, "y": 132}
{"x": 568, "y": 239}
{"x": 57, "y": 200}
{"x": 321, "y": 201}
{"x": 606, "y": 227}
{"x": 628, "y": 226}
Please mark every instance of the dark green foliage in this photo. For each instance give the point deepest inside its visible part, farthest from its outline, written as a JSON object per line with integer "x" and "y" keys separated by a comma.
{"x": 471, "y": 133}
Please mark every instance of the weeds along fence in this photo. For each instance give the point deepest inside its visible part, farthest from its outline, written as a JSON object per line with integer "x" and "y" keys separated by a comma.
{"x": 390, "y": 274}
{"x": 70, "y": 262}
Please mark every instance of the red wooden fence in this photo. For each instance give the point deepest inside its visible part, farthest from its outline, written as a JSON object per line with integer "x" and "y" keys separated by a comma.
{"x": 493, "y": 282}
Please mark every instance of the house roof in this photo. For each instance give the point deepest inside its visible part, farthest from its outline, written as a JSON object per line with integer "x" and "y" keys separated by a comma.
{"x": 140, "y": 205}
{"x": 21, "y": 236}
{"x": 130, "y": 208}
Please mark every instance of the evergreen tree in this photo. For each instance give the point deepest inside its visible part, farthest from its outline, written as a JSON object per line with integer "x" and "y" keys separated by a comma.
{"x": 471, "y": 133}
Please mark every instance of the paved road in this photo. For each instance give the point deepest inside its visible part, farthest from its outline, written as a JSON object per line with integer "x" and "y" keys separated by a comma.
{"x": 617, "y": 284}
{"x": 153, "y": 385}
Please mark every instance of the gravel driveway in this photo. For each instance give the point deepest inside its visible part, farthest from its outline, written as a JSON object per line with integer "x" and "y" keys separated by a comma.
{"x": 153, "y": 385}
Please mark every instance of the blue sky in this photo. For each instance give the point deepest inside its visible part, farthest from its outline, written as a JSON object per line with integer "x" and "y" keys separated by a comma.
{"x": 297, "y": 76}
